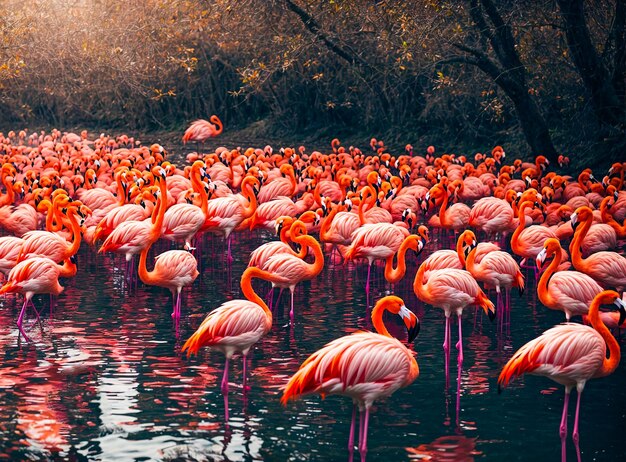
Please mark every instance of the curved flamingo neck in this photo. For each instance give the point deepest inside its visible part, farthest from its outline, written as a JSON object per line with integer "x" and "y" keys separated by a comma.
{"x": 68, "y": 269}
{"x": 443, "y": 216}
{"x": 608, "y": 364}
{"x": 392, "y": 274}
{"x": 121, "y": 196}
{"x": 218, "y": 123}
{"x": 377, "y": 319}
{"x": 76, "y": 234}
{"x": 317, "y": 265}
{"x": 248, "y": 193}
{"x": 325, "y": 235}
{"x": 367, "y": 193}
{"x": 542, "y": 287}
{"x": 609, "y": 219}
{"x": 459, "y": 251}
{"x": 292, "y": 180}
{"x": 579, "y": 236}
{"x": 9, "y": 197}
{"x": 418, "y": 282}
{"x": 520, "y": 226}
{"x": 198, "y": 187}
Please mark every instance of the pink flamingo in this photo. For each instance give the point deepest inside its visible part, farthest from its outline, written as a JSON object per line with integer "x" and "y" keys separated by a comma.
{"x": 364, "y": 366}
{"x": 283, "y": 186}
{"x": 569, "y": 291}
{"x": 235, "y": 326}
{"x": 607, "y": 268}
{"x": 492, "y": 215}
{"x": 570, "y": 354}
{"x": 496, "y": 269}
{"x": 451, "y": 290}
{"x": 173, "y": 269}
{"x": 224, "y": 214}
{"x": 202, "y": 130}
{"x": 183, "y": 221}
{"x": 37, "y": 275}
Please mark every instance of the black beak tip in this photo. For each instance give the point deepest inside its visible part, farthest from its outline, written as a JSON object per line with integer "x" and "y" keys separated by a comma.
{"x": 622, "y": 317}
{"x": 413, "y": 331}
{"x": 575, "y": 225}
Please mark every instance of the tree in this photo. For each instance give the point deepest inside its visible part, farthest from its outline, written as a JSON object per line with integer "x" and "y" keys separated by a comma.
{"x": 603, "y": 76}
{"x": 493, "y": 51}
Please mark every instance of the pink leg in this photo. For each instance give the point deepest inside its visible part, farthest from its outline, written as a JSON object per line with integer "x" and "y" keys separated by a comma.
{"x": 246, "y": 388}
{"x": 351, "y": 438}
{"x": 459, "y": 344}
{"x": 446, "y": 350}
{"x": 363, "y": 441}
{"x": 575, "y": 434}
{"x": 19, "y": 320}
{"x": 563, "y": 426}
{"x": 367, "y": 284}
{"x": 230, "y": 257}
{"x": 291, "y": 311}
{"x": 225, "y": 378}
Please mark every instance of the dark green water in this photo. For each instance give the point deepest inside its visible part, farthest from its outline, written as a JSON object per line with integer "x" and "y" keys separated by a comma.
{"x": 105, "y": 380}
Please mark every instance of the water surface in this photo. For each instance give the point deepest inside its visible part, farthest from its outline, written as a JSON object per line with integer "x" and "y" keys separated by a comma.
{"x": 104, "y": 378}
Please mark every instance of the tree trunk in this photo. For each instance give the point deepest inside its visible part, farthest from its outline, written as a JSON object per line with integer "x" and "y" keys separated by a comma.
{"x": 607, "y": 105}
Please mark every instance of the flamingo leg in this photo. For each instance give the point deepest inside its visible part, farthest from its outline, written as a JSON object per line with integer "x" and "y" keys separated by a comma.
{"x": 19, "y": 320}
{"x": 363, "y": 441}
{"x": 575, "y": 434}
{"x": 230, "y": 257}
{"x": 459, "y": 344}
{"x": 446, "y": 350}
{"x": 225, "y": 378}
{"x": 291, "y": 314}
{"x": 246, "y": 388}
{"x": 351, "y": 437}
{"x": 367, "y": 284}
{"x": 563, "y": 426}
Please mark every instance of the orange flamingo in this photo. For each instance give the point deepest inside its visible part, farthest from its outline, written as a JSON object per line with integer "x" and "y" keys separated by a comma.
{"x": 607, "y": 268}
{"x": 570, "y": 354}
{"x": 235, "y": 326}
{"x": 364, "y": 366}
{"x": 569, "y": 291}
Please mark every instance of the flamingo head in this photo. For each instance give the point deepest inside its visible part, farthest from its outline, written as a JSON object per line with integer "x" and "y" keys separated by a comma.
{"x": 396, "y": 305}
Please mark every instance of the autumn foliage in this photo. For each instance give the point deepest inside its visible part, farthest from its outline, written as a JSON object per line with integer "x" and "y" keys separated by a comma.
{"x": 411, "y": 67}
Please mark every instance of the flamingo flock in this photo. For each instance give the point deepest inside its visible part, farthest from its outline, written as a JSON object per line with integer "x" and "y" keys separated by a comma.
{"x": 479, "y": 222}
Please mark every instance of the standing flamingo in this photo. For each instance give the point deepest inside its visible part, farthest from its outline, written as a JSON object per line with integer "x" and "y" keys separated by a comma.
{"x": 201, "y": 130}
{"x": 364, "y": 366}
{"x": 496, "y": 269}
{"x": 37, "y": 275}
{"x": 570, "y": 354}
{"x": 236, "y": 325}
{"x": 451, "y": 290}
{"x": 607, "y": 268}
{"x": 569, "y": 291}
{"x": 224, "y": 214}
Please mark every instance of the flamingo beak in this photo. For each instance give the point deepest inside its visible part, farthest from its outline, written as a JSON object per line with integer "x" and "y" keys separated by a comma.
{"x": 574, "y": 218}
{"x": 541, "y": 258}
{"x": 411, "y": 322}
{"x": 622, "y": 310}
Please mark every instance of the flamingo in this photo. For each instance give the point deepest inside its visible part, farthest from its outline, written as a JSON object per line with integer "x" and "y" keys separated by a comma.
{"x": 492, "y": 215}
{"x": 570, "y": 354}
{"x": 173, "y": 269}
{"x": 183, "y": 221}
{"x": 224, "y": 214}
{"x": 451, "y": 290}
{"x": 375, "y": 241}
{"x": 364, "y": 366}
{"x": 201, "y": 130}
{"x": 235, "y": 326}
{"x": 496, "y": 268}
{"x": 36, "y": 275}
{"x": 607, "y": 268}
{"x": 569, "y": 291}
{"x": 291, "y": 269}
